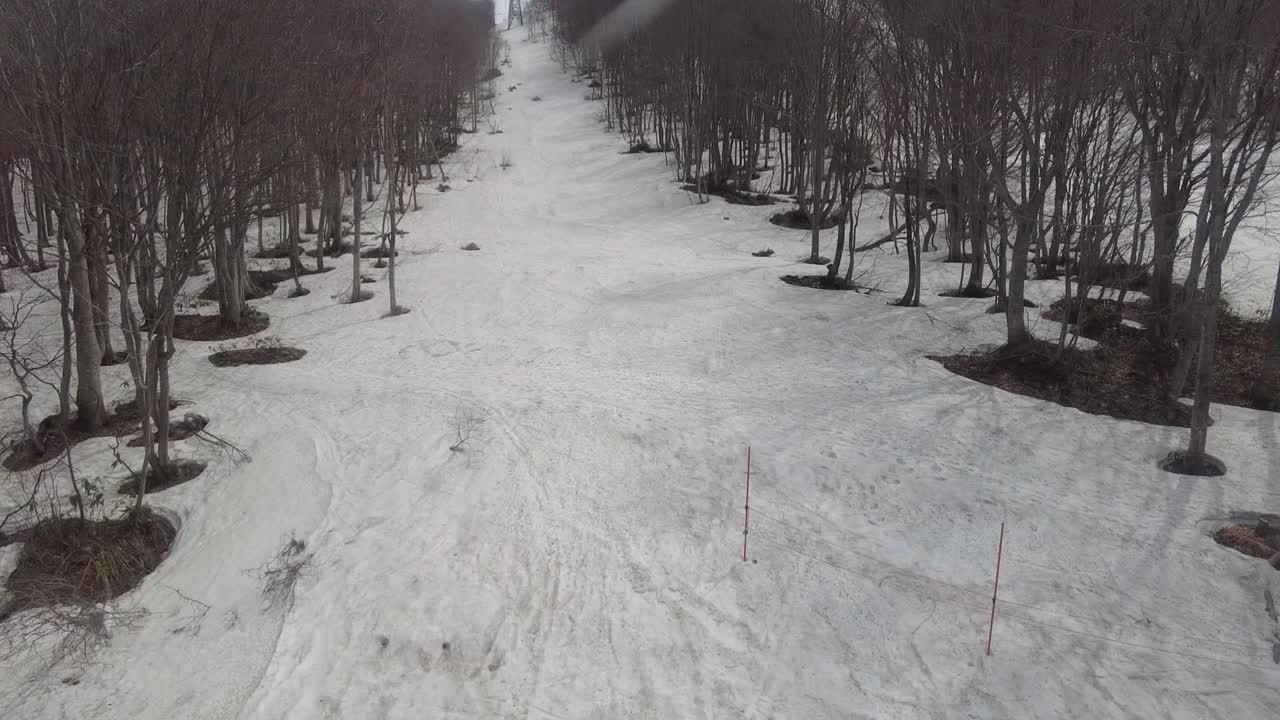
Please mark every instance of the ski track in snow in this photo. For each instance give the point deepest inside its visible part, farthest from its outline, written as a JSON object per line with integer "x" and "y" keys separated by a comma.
{"x": 581, "y": 557}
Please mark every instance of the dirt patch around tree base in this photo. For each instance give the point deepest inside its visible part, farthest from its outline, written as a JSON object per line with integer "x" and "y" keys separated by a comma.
{"x": 797, "y": 219}
{"x": 817, "y": 282}
{"x": 343, "y": 248}
{"x": 84, "y": 561}
{"x": 379, "y": 252}
{"x": 256, "y": 356}
{"x": 56, "y": 437}
{"x": 999, "y": 308}
{"x": 175, "y": 474}
{"x": 274, "y": 252}
{"x": 640, "y": 148}
{"x": 187, "y": 427}
{"x": 1240, "y": 353}
{"x": 1105, "y": 381}
{"x": 264, "y": 282}
{"x": 1099, "y": 317}
{"x": 734, "y": 196}
{"x": 980, "y": 294}
{"x": 1118, "y": 276}
{"x": 1254, "y": 534}
{"x": 211, "y": 327}
{"x": 1180, "y": 463}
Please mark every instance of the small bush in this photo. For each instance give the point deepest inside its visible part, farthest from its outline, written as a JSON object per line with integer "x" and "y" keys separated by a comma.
{"x": 279, "y": 575}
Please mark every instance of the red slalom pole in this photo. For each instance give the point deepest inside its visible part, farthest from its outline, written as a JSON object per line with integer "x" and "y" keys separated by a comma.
{"x": 84, "y": 576}
{"x": 746, "y": 515}
{"x": 999, "y": 555}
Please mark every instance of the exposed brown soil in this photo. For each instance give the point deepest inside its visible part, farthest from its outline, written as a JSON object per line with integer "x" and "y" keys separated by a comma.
{"x": 158, "y": 479}
{"x": 734, "y": 196}
{"x": 72, "y": 560}
{"x": 343, "y": 248}
{"x": 378, "y": 251}
{"x": 211, "y": 327}
{"x": 1181, "y": 463}
{"x": 274, "y": 252}
{"x": 1115, "y": 379}
{"x": 256, "y": 356}
{"x": 118, "y": 357}
{"x": 817, "y": 282}
{"x": 1241, "y": 350}
{"x": 797, "y": 219}
{"x": 1119, "y": 276}
{"x": 265, "y": 282}
{"x": 980, "y": 294}
{"x": 1100, "y": 316}
{"x": 182, "y": 429}
{"x": 1258, "y": 538}
{"x": 56, "y": 438}
{"x": 642, "y": 147}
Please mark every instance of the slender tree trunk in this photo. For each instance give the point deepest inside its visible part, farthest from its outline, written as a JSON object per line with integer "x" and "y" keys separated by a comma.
{"x": 1203, "y": 395}
{"x": 91, "y": 410}
{"x": 1015, "y": 312}
{"x": 977, "y": 264}
{"x": 355, "y": 230}
{"x": 100, "y": 289}
{"x": 833, "y": 268}
{"x": 68, "y": 329}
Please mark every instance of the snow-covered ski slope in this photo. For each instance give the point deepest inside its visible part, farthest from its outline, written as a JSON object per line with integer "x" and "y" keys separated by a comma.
{"x": 581, "y": 558}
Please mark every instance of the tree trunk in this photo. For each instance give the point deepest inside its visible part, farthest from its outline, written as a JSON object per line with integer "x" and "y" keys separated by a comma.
{"x": 1015, "y": 312}
{"x": 68, "y": 329}
{"x": 833, "y": 268}
{"x": 355, "y": 230}
{"x": 91, "y": 411}
{"x": 100, "y": 289}
{"x": 1196, "y": 447}
{"x": 977, "y": 263}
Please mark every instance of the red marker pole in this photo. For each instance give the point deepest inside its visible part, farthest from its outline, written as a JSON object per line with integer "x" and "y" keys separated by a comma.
{"x": 84, "y": 576}
{"x": 746, "y": 514}
{"x": 999, "y": 555}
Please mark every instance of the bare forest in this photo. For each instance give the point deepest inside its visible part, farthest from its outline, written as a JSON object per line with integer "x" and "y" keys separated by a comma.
{"x": 639, "y": 358}
{"x": 140, "y": 143}
{"x": 1116, "y": 146}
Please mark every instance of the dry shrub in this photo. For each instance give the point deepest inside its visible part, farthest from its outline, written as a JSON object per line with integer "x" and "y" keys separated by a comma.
{"x": 279, "y": 575}
{"x": 71, "y": 560}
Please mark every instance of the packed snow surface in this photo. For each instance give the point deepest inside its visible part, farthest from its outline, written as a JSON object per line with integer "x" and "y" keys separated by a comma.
{"x": 581, "y": 555}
